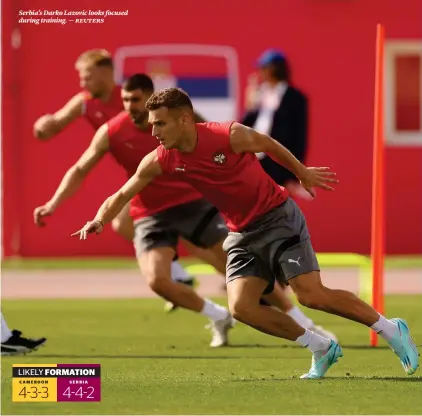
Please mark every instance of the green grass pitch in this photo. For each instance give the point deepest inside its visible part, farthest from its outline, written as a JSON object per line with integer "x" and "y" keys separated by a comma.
{"x": 153, "y": 363}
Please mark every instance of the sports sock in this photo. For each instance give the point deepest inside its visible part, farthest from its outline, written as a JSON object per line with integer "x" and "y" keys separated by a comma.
{"x": 385, "y": 328}
{"x": 317, "y": 344}
{"x": 213, "y": 311}
{"x": 300, "y": 318}
{"x": 178, "y": 272}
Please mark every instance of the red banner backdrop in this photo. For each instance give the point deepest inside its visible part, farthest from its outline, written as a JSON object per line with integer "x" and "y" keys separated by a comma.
{"x": 331, "y": 45}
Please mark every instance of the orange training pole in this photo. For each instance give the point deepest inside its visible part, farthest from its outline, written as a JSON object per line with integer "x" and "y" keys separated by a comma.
{"x": 378, "y": 204}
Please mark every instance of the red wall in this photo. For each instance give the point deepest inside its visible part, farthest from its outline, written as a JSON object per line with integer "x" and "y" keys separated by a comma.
{"x": 331, "y": 44}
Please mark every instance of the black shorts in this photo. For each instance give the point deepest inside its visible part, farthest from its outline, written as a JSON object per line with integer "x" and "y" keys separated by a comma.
{"x": 198, "y": 222}
{"x": 276, "y": 246}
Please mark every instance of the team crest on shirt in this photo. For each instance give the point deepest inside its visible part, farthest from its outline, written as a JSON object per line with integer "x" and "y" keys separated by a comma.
{"x": 220, "y": 158}
{"x": 180, "y": 168}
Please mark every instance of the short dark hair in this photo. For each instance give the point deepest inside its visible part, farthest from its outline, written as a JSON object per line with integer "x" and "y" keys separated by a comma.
{"x": 172, "y": 98}
{"x": 138, "y": 82}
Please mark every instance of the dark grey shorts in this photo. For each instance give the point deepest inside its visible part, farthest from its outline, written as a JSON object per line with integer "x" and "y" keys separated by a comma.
{"x": 198, "y": 222}
{"x": 276, "y": 246}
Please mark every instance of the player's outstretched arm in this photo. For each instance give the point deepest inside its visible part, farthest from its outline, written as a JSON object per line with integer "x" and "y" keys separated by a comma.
{"x": 74, "y": 177}
{"x": 50, "y": 125}
{"x": 246, "y": 140}
{"x": 147, "y": 170}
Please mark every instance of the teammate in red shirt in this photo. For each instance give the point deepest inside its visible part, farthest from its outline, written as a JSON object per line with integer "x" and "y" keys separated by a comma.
{"x": 269, "y": 237}
{"x": 99, "y": 101}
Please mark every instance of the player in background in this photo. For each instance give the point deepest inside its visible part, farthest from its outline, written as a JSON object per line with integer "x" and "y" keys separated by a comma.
{"x": 99, "y": 101}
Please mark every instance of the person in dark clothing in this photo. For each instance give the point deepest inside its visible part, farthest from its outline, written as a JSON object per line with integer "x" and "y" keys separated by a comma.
{"x": 280, "y": 110}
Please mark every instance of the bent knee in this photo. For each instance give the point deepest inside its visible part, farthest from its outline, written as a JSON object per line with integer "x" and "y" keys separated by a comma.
{"x": 240, "y": 309}
{"x": 158, "y": 283}
{"x": 313, "y": 300}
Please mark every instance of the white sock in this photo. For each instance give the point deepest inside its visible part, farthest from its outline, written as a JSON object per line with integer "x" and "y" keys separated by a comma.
{"x": 317, "y": 344}
{"x": 178, "y": 272}
{"x": 385, "y": 328}
{"x": 300, "y": 318}
{"x": 213, "y": 311}
{"x": 6, "y": 333}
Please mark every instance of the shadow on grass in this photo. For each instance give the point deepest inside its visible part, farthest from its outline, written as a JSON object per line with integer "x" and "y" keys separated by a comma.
{"x": 294, "y": 346}
{"x": 159, "y": 357}
{"x": 199, "y": 357}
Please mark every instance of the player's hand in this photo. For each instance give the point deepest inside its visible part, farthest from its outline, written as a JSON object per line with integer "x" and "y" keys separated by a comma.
{"x": 318, "y": 178}
{"x": 41, "y": 212}
{"x": 89, "y": 228}
{"x": 45, "y": 127}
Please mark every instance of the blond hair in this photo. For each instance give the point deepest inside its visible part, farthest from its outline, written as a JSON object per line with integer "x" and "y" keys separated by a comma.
{"x": 94, "y": 57}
